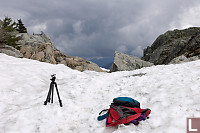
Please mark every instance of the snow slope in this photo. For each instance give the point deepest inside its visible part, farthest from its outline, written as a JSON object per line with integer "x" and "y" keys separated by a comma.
{"x": 170, "y": 91}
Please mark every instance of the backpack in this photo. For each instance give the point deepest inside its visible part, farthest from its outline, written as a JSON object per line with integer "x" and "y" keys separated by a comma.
{"x": 126, "y": 101}
{"x": 124, "y": 110}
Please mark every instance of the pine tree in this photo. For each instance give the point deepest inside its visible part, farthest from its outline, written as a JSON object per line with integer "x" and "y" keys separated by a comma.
{"x": 20, "y": 27}
{"x": 8, "y": 25}
{"x": 7, "y": 30}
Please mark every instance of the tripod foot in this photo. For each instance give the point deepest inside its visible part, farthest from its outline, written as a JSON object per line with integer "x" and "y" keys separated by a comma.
{"x": 60, "y": 103}
{"x": 48, "y": 100}
{"x": 45, "y": 102}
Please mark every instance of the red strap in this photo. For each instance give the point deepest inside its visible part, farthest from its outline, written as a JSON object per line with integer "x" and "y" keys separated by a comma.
{"x": 137, "y": 110}
{"x": 114, "y": 114}
{"x": 124, "y": 120}
{"x": 148, "y": 112}
{"x": 109, "y": 118}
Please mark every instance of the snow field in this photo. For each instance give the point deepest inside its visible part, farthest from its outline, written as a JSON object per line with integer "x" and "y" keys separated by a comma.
{"x": 170, "y": 91}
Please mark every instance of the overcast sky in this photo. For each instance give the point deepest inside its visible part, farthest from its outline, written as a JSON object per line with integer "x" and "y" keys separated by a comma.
{"x": 96, "y": 28}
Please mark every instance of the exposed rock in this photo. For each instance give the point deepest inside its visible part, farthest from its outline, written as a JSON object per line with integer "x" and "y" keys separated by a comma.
{"x": 173, "y": 44}
{"x": 39, "y": 47}
{"x": 124, "y": 62}
{"x": 10, "y": 51}
{"x": 179, "y": 59}
{"x": 182, "y": 59}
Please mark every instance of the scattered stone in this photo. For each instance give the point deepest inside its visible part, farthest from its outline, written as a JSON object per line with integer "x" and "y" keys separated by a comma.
{"x": 136, "y": 75}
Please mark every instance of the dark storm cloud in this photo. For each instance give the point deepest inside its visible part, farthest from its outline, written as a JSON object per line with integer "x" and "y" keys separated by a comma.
{"x": 96, "y": 28}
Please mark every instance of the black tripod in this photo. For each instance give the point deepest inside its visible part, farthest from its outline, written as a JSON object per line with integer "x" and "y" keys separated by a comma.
{"x": 51, "y": 89}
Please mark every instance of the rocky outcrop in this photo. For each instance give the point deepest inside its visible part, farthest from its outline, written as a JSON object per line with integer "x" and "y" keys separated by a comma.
{"x": 182, "y": 59}
{"x": 124, "y": 62}
{"x": 173, "y": 44}
{"x": 39, "y": 47}
{"x": 10, "y": 51}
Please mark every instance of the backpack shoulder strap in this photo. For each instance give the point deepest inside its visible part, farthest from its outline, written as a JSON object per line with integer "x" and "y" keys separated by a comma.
{"x": 102, "y": 117}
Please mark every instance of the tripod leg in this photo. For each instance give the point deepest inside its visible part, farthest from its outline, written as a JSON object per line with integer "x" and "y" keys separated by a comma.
{"x": 60, "y": 101}
{"x": 52, "y": 89}
{"x": 48, "y": 95}
{"x": 50, "y": 92}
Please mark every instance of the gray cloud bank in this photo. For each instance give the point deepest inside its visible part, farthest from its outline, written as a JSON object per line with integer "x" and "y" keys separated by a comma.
{"x": 96, "y": 28}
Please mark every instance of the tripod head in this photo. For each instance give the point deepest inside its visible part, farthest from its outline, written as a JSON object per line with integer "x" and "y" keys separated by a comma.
{"x": 53, "y": 77}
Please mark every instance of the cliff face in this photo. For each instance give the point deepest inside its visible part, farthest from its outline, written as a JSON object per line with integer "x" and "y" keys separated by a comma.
{"x": 173, "y": 44}
{"x": 39, "y": 47}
